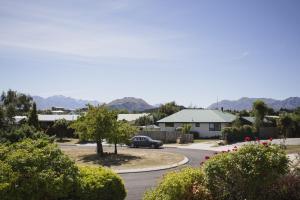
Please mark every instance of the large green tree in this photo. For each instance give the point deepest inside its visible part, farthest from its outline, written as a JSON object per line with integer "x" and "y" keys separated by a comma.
{"x": 121, "y": 134}
{"x": 260, "y": 110}
{"x": 97, "y": 124}
{"x": 21, "y": 102}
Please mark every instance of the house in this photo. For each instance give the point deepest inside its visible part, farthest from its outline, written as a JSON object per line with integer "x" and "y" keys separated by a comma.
{"x": 131, "y": 118}
{"x": 207, "y": 123}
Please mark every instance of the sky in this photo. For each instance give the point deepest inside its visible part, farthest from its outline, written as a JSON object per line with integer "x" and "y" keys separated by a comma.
{"x": 192, "y": 52}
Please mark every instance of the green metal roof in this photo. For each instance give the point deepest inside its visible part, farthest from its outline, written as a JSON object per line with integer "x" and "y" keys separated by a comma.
{"x": 199, "y": 115}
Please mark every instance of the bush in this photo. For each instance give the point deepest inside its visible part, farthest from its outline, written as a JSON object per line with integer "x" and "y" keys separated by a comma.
{"x": 238, "y": 134}
{"x": 184, "y": 185}
{"x": 285, "y": 188}
{"x": 21, "y": 133}
{"x": 243, "y": 174}
{"x": 100, "y": 183}
{"x": 35, "y": 169}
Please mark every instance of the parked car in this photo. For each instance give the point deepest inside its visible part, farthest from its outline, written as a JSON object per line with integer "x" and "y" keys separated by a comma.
{"x": 144, "y": 141}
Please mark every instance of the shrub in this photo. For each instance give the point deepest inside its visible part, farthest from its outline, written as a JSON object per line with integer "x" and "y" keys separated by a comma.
{"x": 21, "y": 133}
{"x": 244, "y": 173}
{"x": 285, "y": 188}
{"x": 237, "y": 134}
{"x": 35, "y": 169}
{"x": 186, "y": 184}
{"x": 100, "y": 183}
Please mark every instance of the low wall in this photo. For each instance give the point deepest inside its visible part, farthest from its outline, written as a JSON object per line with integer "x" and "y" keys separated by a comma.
{"x": 166, "y": 136}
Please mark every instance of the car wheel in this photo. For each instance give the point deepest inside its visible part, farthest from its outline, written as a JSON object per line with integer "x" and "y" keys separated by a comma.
{"x": 153, "y": 146}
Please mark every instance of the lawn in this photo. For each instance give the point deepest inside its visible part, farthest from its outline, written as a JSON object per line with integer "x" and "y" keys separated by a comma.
{"x": 292, "y": 149}
{"x": 206, "y": 140}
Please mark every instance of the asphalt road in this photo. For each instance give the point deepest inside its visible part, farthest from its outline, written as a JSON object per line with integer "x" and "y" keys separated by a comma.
{"x": 137, "y": 183}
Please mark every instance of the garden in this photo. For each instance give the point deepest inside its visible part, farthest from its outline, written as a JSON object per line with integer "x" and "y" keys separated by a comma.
{"x": 254, "y": 171}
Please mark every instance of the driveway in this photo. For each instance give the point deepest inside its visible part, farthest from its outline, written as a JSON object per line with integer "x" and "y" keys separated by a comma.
{"x": 137, "y": 183}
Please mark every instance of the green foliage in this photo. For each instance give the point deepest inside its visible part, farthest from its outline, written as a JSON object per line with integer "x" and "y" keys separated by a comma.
{"x": 17, "y": 134}
{"x": 121, "y": 134}
{"x": 15, "y": 102}
{"x": 61, "y": 129}
{"x": 144, "y": 120}
{"x": 186, "y": 184}
{"x": 186, "y": 128}
{"x": 243, "y": 174}
{"x": 35, "y": 169}
{"x": 289, "y": 125}
{"x": 238, "y": 134}
{"x": 286, "y": 187}
{"x": 260, "y": 109}
{"x": 97, "y": 124}
{"x": 33, "y": 117}
{"x": 99, "y": 183}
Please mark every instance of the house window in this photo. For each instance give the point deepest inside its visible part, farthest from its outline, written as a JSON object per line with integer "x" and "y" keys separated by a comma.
{"x": 214, "y": 126}
{"x": 197, "y": 124}
{"x": 169, "y": 124}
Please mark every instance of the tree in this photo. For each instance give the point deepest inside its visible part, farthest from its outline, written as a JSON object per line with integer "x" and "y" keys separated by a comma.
{"x": 61, "y": 128}
{"x": 144, "y": 121}
{"x": 186, "y": 128}
{"x": 123, "y": 131}
{"x": 19, "y": 101}
{"x": 260, "y": 110}
{"x": 285, "y": 123}
{"x": 2, "y": 118}
{"x": 97, "y": 124}
{"x": 33, "y": 117}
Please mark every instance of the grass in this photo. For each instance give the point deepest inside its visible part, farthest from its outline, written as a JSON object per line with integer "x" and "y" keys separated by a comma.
{"x": 206, "y": 140}
{"x": 127, "y": 158}
{"x": 292, "y": 149}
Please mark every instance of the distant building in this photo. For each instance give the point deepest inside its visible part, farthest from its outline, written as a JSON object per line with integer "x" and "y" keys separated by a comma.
{"x": 207, "y": 123}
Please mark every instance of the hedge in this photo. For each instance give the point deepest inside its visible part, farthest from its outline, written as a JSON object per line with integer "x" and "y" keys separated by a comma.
{"x": 100, "y": 184}
{"x": 245, "y": 173}
{"x": 238, "y": 134}
{"x": 183, "y": 185}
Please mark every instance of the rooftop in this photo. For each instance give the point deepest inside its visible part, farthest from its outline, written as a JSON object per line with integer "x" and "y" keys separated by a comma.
{"x": 199, "y": 115}
{"x": 131, "y": 117}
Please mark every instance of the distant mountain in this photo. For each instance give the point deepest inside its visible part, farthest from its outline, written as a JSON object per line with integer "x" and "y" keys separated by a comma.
{"x": 130, "y": 104}
{"x": 246, "y": 103}
{"x": 61, "y": 101}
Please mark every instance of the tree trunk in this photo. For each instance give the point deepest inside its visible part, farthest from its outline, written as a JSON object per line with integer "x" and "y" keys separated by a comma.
{"x": 116, "y": 150}
{"x": 99, "y": 148}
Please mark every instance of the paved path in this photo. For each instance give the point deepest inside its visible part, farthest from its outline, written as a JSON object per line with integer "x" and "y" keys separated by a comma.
{"x": 137, "y": 183}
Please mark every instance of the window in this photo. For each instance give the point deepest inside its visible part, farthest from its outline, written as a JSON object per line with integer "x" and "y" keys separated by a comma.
{"x": 197, "y": 124}
{"x": 214, "y": 126}
{"x": 169, "y": 124}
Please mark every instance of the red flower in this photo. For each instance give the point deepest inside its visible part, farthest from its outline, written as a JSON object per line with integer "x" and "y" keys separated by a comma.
{"x": 207, "y": 157}
{"x": 247, "y": 139}
{"x": 271, "y": 139}
{"x": 265, "y": 143}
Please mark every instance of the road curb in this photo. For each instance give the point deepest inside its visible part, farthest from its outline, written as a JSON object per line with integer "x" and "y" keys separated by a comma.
{"x": 127, "y": 171}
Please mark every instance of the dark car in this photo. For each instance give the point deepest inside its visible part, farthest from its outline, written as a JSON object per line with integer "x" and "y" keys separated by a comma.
{"x": 144, "y": 141}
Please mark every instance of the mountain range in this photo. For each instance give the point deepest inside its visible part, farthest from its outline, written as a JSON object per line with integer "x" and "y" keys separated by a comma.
{"x": 137, "y": 104}
{"x": 246, "y": 103}
{"x": 126, "y": 103}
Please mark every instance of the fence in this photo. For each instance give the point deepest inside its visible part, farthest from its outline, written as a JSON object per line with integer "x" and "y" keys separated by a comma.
{"x": 268, "y": 132}
{"x": 166, "y": 136}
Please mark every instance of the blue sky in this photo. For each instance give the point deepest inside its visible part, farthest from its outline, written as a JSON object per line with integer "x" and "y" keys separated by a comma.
{"x": 188, "y": 51}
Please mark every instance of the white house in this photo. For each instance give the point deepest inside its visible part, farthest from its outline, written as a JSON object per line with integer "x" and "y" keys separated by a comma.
{"x": 208, "y": 123}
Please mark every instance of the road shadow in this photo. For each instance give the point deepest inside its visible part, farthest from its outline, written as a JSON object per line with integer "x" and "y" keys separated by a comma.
{"x": 109, "y": 159}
